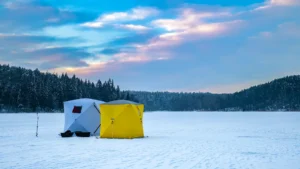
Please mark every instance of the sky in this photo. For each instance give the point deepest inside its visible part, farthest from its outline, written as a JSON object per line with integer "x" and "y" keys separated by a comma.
{"x": 155, "y": 45}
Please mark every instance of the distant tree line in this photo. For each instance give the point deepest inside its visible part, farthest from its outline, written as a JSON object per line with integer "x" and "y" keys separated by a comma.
{"x": 29, "y": 91}
{"x": 24, "y": 90}
{"x": 281, "y": 94}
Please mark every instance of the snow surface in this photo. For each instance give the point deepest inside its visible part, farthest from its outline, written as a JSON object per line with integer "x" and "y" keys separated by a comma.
{"x": 208, "y": 140}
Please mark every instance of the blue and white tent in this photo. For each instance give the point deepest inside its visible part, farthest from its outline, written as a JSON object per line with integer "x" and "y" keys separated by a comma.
{"x": 82, "y": 115}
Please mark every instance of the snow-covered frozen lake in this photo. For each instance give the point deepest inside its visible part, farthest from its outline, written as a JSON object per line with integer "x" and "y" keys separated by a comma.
{"x": 183, "y": 140}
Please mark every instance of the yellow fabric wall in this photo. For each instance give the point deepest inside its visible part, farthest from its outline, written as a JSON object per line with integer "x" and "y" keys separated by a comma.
{"x": 122, "y": 121}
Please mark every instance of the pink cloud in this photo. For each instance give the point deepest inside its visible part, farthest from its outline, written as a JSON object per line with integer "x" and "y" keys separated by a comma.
{"x": 283, "y": 2}
{"x": 117, "y": 63}
{"x": 201, "y": 31}
{"x": 187, "y": 19}
{"x": 188, "y": 28}
{"x": 205, "y": 29}
{"x": 191, "y": 23}
{"x": 275, "y": 3}
{"x": 83, "y": 71}
{"x": 129, "y": 57}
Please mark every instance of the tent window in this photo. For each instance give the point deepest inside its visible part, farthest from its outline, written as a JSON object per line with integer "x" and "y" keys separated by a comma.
{"x": 77, "y": 109}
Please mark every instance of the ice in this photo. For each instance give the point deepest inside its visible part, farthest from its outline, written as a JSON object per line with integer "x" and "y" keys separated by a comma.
{"x": 208, "y": 140}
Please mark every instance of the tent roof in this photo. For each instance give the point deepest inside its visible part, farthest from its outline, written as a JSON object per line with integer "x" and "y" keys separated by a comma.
{"x": 84, "y": 100}
{"x": 121, "y": 102}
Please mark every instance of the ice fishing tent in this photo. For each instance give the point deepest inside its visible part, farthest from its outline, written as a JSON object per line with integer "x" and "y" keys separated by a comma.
{"x": 121, "y": 119}
{"x": 82, "y": 115}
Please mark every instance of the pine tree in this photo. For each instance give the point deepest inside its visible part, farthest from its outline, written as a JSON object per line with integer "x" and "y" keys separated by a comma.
{"x": 26, "y": 90}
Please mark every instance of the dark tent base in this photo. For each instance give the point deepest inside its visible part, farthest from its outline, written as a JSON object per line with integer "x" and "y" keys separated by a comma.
{"x": 82, "y": 134}
{"x": 68, "y": 133}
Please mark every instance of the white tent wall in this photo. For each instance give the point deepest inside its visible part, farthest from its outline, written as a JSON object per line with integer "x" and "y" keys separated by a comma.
{"x": 87, "y": 120}
{"x": 90, "y": 120}
{"x": 68, "y": 107}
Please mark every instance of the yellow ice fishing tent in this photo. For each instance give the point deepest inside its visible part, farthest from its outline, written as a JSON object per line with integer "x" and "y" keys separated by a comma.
{"x": 121, "y": 119}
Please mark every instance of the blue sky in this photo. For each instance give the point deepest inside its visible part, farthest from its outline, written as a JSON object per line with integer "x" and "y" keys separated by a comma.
{"x": 155, "y": 45}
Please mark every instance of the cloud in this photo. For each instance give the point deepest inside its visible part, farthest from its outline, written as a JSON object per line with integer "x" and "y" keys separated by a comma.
{"x": 134, "y": 39}
{"x": 202, "y": 30}
{"x": 93, "y": 24}
{"x": 28, "y": 42}
{"x": 283, "y": 2}
{"x": 37, "y": 51}
{"x": 109, "y": 51}
{"x": 187, "y": 19}
{"x": 127, "y": 57}
{"x": 133, "y": 27}
{"x": 87, "y": 37}
{"x": 156, "y": 45}
{"x": 138, "y": 13}
{"x": 192, "y": 23}
{"x": 20, "y": 16}
{"x": 278, "y": 3}
{"x": 137, "y": 57}
{"x": 50, "y": 58}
